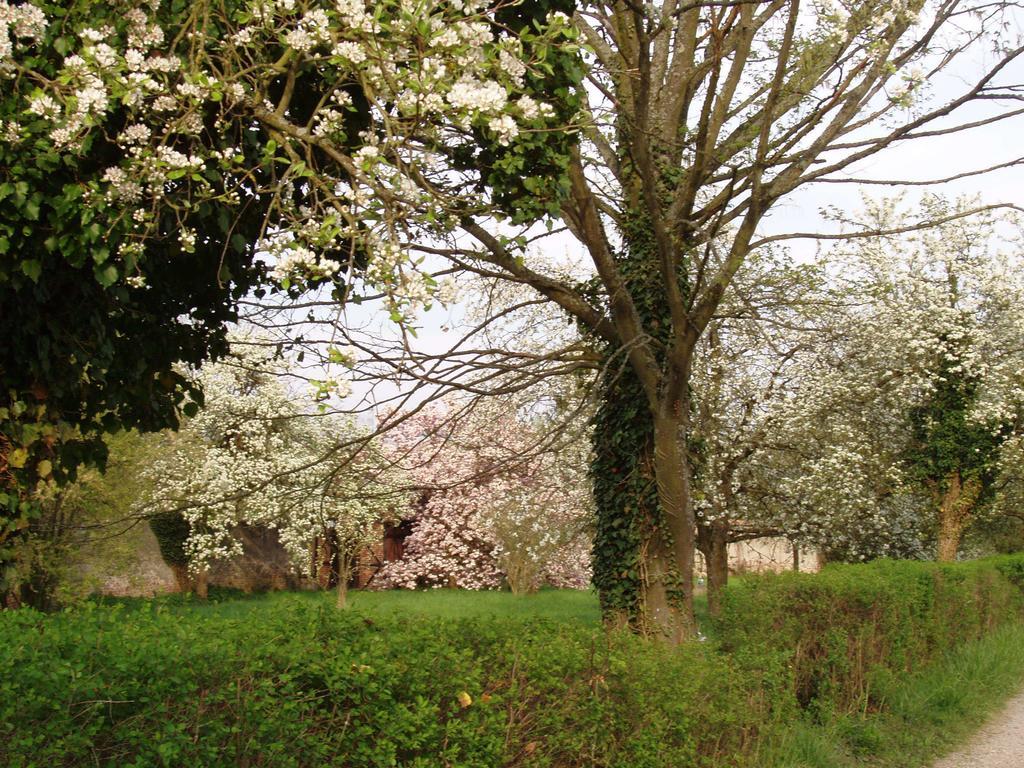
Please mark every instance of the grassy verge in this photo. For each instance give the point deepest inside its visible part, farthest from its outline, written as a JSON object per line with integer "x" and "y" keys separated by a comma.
{"x": 920, "y": 718}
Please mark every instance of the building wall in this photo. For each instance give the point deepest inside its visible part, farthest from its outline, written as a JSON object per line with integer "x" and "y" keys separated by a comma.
{"x": 766, "y": 554}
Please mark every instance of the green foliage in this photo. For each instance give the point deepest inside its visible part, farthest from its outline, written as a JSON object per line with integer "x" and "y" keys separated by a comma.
{"x": 299, "y": 684}
{"x": 284, "y": 680}
{"x": 85, "y": 352}
{"x": 848, "y": 631}
{"x": 947, "y": 441}
{"x": 530, "y": 177}
{"x": 84, "y": 532}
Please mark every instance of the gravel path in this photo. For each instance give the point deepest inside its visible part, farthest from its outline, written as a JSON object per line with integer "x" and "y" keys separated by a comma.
{"x": 999, "y": 744}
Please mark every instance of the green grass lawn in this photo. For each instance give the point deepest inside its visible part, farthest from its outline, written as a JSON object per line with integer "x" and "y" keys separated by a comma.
{"x": 568, "y": 605}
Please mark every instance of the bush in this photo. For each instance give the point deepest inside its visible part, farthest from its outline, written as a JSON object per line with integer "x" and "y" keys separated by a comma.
{"x": 291, "y": 682}
{"x": 310, "y": 686}
{"x": 850, "y": 630}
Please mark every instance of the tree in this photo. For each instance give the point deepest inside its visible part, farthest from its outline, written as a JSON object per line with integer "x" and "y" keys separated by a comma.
{"x": 438, "y": 130}
{"x": 747, "y": 367}
{"x": 92, "y": 335}
{"x": 902, "y": 423}
{"x": 496, "y": 500}
{"x": 252, "y": 456}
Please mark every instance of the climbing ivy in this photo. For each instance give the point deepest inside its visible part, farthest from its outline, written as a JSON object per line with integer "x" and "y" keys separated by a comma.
{"x": 946, "y": 440}
{"x": 625, "y": 494}
{"x": 629, "y": 515}
{"x": 171, "y": 530}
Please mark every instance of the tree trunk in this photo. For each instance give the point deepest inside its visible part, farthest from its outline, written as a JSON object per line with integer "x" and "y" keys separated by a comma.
{"x": 660, "y": 615}
{"x": 713, "y": 542}
{"x": 949, "y": 539}
{"x": 181, "y": 577}
{"x": 327, "y": 568}
{"x": 954, "y": 510}
{"x": 796, "y": 556}
{"x": 718, "y": 568}
{"x": 643, "y": 553}
{"x": 202, "y": 584}
{"x": 670, "y": 569}
{"x": 11, "y": 600}
{"x": 343, "y": 575}
{"x": 625, "y": 499}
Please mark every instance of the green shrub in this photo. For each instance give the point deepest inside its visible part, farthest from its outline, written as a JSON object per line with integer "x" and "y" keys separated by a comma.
{"x": 846, "y": 631}
{"x": 304, "y": 685}
{"x": 292, "y": 682}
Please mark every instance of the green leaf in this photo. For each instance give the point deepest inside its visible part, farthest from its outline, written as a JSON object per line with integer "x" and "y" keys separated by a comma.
{"x": 32, "y": 268}
{"x": 106, "y": 275}
{"x": 32, "y": 209}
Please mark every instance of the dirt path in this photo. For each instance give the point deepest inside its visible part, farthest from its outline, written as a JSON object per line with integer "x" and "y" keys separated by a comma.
{"x": 999, "y": 744}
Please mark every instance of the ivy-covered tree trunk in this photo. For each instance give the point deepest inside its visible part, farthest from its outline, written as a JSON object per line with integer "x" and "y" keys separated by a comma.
{"x": 171, "y": 530}
{"x": 626, "y": 499}
{"x": 955, "y": 509}
{"x": 951, "y": 453}
{"x": 676, "y": 532}
{"x": 643, "y": 547}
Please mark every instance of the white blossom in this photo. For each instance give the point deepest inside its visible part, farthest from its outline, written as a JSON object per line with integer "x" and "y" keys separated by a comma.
{"x": 476, "y": 95}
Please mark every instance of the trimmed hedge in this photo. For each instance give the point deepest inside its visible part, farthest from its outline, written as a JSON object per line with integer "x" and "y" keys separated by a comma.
{"x": 846, "y": 632}
{"x": 311, "y": 686}
{"x": 301, "y": 684}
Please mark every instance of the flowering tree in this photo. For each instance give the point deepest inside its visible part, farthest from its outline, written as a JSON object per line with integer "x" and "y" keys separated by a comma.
{"x": 761, "y": 420}
{"x": 750, "y": 363}
{"x": 370, "y": 138}
{"x": 868, "y": 408}
{"x": 252, "y": 456}
{"x": 496, "y": 503}
{"x": 129, "y": 158}
{"x": 901, "y": 425}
